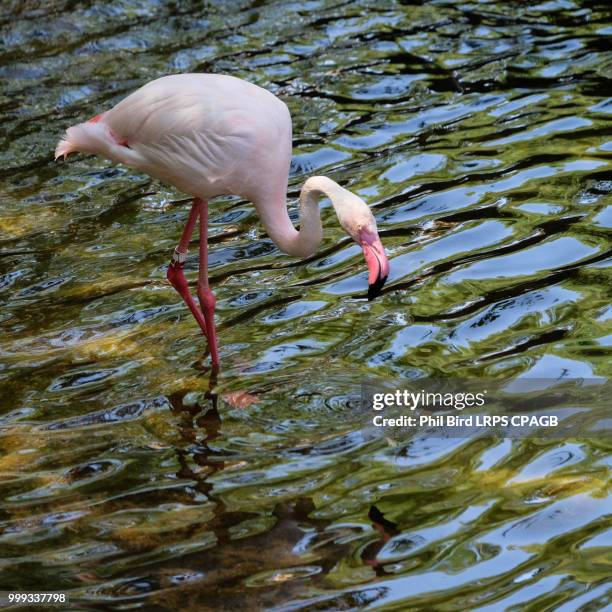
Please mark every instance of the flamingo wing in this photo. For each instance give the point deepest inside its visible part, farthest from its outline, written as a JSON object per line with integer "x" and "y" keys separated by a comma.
{"x": 206, "y": 134}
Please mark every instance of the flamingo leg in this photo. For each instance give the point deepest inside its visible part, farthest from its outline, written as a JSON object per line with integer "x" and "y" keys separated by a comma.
{"x": 205, "y": 295}
{"x": 175, "y": 273}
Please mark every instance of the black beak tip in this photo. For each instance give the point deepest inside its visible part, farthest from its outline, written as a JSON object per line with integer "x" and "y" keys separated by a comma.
{"x": 375, "y": 288}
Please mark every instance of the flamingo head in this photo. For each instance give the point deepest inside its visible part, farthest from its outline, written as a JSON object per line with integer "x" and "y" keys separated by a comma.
{"x": 357, "y": 219}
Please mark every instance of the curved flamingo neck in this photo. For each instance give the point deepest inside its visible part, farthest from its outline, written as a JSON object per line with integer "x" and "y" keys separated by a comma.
{"x": 279, "y": 227}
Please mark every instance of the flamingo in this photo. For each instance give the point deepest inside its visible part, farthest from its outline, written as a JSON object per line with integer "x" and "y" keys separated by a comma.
{"x": 211, "y": 135}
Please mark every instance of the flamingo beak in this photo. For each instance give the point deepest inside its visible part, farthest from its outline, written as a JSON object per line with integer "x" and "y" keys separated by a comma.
{"x": 377, "y": 262}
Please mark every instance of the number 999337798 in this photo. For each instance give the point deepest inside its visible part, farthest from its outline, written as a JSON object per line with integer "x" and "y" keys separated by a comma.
{"x": 8, "y": 598}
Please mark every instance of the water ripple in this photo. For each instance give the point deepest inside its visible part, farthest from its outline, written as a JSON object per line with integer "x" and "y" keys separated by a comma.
{"x": 479, "y": 135}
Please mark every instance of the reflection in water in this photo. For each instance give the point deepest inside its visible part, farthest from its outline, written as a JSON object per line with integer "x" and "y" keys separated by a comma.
{"x": 479, "y": 135}
{"x": 387, "y": 530}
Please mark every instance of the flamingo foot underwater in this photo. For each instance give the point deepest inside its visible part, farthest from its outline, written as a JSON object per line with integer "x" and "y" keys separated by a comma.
{"x": 211, "y": 135}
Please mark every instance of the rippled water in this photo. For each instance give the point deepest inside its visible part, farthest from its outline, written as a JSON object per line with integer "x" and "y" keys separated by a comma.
{"x": 480, "y": 134}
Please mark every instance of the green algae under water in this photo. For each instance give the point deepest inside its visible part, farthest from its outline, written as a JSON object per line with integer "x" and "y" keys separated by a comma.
{"x": 480, "y": 134}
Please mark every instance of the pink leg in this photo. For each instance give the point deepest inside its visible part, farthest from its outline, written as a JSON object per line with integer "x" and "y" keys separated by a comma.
{"x": 175, "y": 272}
{"x": 205, "y": 295}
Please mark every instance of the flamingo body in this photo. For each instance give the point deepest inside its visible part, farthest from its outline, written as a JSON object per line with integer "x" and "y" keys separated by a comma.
{"x": 207, "y": 134}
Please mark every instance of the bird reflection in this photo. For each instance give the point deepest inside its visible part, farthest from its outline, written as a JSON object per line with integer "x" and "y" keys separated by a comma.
{"x": 199, "y": 427}
{"x": 281, "y": 547}
{"x": 387, "y": 530}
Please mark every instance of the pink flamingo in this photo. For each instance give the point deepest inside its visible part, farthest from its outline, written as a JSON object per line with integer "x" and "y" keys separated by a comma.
{"x": 211, "y": 135}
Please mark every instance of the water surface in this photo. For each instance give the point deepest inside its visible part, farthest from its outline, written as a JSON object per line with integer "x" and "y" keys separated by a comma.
{"x": 479, "y": 132}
